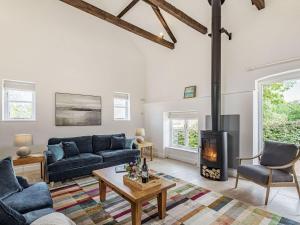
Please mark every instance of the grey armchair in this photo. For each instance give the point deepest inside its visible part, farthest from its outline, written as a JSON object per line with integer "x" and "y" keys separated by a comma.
{"x": 276, "y": 167}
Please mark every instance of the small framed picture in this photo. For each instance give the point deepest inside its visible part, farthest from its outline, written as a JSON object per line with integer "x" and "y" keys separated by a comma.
{"x": 190, "y": 92}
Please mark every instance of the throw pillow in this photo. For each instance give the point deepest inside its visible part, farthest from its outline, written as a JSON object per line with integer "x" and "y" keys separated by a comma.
{"x": 129, "y": 143}
{"x": 9, "y": 216}
{"x": 57, "y": 151}
{"x": 8, "y": 181}
{"x": 70, "y": 149}
{"x": 117, "y": 143}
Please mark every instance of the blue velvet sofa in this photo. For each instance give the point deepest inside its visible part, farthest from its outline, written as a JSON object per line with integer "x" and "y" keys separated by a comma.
{"x": 31, "y": 203}
{"x": 95, "y": 153}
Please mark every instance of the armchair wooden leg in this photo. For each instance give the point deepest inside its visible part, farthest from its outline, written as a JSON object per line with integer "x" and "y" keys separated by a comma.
{"x": 237, "y": 180}
{"x": 296, "y": 182}
{"x": 267, "y": 195}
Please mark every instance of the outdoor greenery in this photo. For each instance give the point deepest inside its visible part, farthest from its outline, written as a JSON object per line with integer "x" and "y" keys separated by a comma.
{"x": 185, "y": 133}
{"x": 281, "y": 118}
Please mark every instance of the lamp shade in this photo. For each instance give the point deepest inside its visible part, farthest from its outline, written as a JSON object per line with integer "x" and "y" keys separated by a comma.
{"x": 23, "y": 140}
{"x": 140, "y": 132}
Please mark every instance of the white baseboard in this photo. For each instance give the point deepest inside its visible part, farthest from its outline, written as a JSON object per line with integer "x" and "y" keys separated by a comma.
{"x": 184, "y": 156}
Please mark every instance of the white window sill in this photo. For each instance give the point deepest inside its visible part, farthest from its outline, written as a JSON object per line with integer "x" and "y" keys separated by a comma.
{"x": 184, "y": 149}
{"x": 18, "y": 120}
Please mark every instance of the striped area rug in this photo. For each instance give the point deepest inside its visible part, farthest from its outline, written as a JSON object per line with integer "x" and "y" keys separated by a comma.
{"x": 186, "y": 204}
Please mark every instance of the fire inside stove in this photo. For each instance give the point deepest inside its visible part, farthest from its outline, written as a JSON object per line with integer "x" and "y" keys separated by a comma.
{"x": 210, "y": 154}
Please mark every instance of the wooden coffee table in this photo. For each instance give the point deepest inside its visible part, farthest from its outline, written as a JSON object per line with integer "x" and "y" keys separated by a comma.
{"x": 108, "y": 177}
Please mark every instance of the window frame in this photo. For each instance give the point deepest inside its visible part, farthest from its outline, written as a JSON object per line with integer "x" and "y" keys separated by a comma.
{"x": 186, "y": 135}
{"x": 127, "y": 107}
{"x": 6, "y": 102}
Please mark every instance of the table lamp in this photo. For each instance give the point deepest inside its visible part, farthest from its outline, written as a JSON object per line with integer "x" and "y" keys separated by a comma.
{"x": 140, "y": 134}
{"x": 23, "y": 141}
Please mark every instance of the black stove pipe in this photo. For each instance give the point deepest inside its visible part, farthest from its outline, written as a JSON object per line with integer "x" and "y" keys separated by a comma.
{"x": 216, "y": 63}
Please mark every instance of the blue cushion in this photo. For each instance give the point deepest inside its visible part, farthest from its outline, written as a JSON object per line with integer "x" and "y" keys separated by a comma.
{"x": 8, "y": 180}
{"x": 129, "y": 143}
{"x": 57, "y": 151}
{"x": 9, "y": 216}
{"x": 70, "y": 149}
{"x": 35, "y": 197}
{"x": 34, "y": 215}
{"x": 83, "y": 143}
{"x": 78, "y": 161}
{"x": 116, "y": 155}
{"x": 117, "y": 143}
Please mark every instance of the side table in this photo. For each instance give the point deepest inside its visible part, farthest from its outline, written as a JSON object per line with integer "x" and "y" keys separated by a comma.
{"x": 146, "y": 146}
{"x": 31, "y": 159}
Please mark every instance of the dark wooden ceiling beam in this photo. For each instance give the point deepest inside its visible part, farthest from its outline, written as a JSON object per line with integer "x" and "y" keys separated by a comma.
{"x": 260, "y": 4}
{"x": 93, "y": 10}
{"x": 164, "y": 23}
{"x": 169, "y": 8}
{"x": 127, "y": 8}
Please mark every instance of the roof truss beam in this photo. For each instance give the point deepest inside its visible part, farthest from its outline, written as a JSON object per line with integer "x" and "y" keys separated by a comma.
{"x": 99, "y": 13}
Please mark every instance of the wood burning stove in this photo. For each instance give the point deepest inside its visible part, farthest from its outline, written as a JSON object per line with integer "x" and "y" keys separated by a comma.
{"x": 214, "y": 143}
{"x": 214, "y": 155}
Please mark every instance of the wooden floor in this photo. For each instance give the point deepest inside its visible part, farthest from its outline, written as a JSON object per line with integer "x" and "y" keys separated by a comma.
{"x": 283, "y": 201}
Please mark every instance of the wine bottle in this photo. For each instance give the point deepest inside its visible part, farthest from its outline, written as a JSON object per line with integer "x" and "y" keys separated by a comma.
{"x": 145, "y": 173}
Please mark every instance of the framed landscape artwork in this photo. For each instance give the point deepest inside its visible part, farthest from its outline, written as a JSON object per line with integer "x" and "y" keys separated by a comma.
{"x": 190, "y": 92}
{"x": 77, "y": 110}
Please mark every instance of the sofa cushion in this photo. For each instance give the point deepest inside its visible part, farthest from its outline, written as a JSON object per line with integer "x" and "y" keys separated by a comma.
{"x": 50, "y": 157}
{"x": 278, "y": 154}
{"x": 35, "y": 197}
{"x": 70, "y": 149}
{"x": 116, "y": 155}
{"x": 83, "y": 143}
{"x": 103, "y": 142}
{"x": 129, "y": 143}
{"x": 34, "y": 215}
{"x": 8, "y": 180}
{"x": 117, "y": 143}
{"x": 57, "y": 151}
{"x": 260, "y": 174}
{"x": 9, "y": 216}
{"x": 80, "y": 160}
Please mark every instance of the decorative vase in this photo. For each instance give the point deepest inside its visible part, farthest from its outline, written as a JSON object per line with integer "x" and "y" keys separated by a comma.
{"x": 23, "y": 152}
{"x": 140, "y": 139}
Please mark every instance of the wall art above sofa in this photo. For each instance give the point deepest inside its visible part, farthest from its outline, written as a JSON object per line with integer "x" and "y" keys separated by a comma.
{"x": 77, "y": 110}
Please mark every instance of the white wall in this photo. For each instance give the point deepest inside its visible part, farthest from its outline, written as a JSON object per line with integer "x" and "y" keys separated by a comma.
{"x": 259, "y": 37}
{"x": 64, "y": 50}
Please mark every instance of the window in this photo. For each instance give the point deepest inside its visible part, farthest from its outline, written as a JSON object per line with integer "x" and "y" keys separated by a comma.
{"x": 184, "y": 131}
{"x": 18, "y": 100}
{"x": 121, "y": 106}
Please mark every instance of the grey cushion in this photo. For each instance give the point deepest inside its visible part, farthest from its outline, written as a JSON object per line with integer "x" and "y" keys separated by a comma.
{"x": 117, "y": 143}
{"x": 70, "y": 149}
{"x": 34, "y": 215}
{"x": 80, "y": 160}
{"x": 278, "y": 154}
{"x": 9, "y": 216}
{"x": 260, "y": 174}
{"x": 83, "y": 143}
{"x": 8, "y": 181}
{"x": 35, "y": 197}
{"x": 116, "y": 155}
